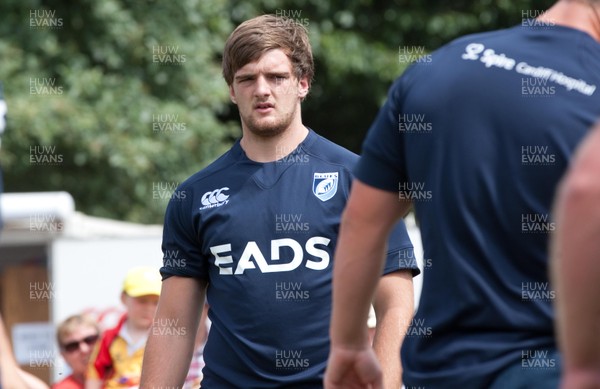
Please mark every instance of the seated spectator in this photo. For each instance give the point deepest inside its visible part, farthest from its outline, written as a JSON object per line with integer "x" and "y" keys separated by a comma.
{"x": 117, "y": 359}
{"x": 76, "y": 338}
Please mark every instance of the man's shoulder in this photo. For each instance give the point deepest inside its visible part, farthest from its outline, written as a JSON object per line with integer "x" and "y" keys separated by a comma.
{"x": 488, "y": 34}
{"x": 327, "y": 151}
{"x": 218, "y": 166}
{"x": 454, "y": 58}
{"x": 506, "y": 36}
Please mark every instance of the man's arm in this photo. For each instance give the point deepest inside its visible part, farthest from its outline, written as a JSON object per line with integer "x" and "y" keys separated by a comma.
{"x": 394, "y": 308}
{"x": 576, "y": 267}
{"x": 367, "y": 221}
{"x": 167, "y": 357}
{"x": 9, "y": 370}
{"x": 31, "y": 381}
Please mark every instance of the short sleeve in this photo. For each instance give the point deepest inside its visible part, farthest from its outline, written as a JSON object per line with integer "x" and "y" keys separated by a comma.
{"x": 381, "y": 164}
{"x": 400, "y": 254}
{"x": 181, "y": 246}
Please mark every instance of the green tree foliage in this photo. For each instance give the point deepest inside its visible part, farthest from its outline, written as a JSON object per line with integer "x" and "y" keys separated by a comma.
{"x": 113, "y": 101}
{"x": 117, "y": 101}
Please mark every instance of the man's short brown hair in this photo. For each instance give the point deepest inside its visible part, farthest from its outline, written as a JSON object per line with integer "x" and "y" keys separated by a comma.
{"x": 251, "y": 39}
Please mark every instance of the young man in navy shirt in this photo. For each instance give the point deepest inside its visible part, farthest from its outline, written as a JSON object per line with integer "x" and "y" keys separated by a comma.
{"x": 477, "y": 139}
{"x": 256, "y": 231}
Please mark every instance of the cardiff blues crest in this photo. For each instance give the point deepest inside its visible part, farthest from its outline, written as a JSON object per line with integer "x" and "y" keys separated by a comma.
{"x": 325, "y": 185}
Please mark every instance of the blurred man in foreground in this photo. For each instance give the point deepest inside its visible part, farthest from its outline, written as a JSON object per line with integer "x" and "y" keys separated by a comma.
{"x": 477, "y": 139}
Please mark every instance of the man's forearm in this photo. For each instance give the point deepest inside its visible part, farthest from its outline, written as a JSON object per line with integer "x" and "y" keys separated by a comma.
{"x": 9, "y": 370}
{"x": 366, "y": 224}
{"x": 10, "y": 377}
{"x": 171, "y": 341}
{"x": 394, "y": 309}
{"x": 31, "y": 381}
{"x": 353, "y": 285}
{"x": 167, "y": 360}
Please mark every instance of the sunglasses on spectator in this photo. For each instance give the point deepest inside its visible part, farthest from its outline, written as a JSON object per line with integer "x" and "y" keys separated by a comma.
{"x": 74, "y": 345}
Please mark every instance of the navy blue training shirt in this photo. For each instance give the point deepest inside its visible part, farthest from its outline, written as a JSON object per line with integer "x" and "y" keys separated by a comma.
{"x": 263, "y": 235}
{"x": 478, "y": 137}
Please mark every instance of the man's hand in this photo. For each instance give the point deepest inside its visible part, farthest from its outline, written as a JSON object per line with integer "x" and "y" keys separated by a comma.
{"x": 353, "y": 369}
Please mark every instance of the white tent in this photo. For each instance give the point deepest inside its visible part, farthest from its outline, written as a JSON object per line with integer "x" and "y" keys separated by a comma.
{"x": 56, "y": 262}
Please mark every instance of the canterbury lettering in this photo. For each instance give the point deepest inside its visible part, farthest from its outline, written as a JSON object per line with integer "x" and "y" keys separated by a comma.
{"x": 252, "y": 256}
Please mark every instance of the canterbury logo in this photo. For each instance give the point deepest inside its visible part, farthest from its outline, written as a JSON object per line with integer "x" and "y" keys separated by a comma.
{"x": 214, "y": 198}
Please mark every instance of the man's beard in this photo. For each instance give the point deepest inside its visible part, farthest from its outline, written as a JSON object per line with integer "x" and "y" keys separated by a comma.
{"x": 270, "y": 129}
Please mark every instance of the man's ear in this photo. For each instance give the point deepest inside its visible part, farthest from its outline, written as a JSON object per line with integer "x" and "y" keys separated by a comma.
{"x": 232, "y": 94}
{"x": 303, "y": 87}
